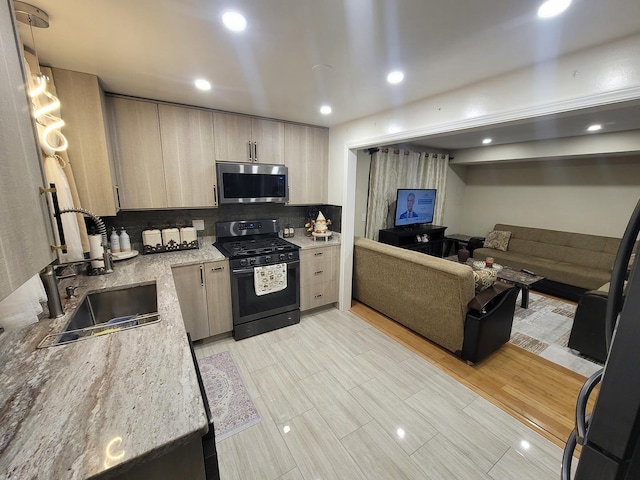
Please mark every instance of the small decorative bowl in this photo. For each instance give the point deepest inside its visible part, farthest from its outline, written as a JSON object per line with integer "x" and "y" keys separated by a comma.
{"x": 481, "y": 265}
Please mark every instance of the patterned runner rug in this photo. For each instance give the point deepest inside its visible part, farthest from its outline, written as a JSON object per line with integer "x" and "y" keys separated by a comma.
{"x": 544, "y": 329}
{"x": 231, "y": 406}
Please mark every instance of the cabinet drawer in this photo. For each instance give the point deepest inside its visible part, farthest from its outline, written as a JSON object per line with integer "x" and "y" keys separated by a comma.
{"x": 317, "y": 253}
{"x": 313, "y": 296}
{"x": 318, "y": 270}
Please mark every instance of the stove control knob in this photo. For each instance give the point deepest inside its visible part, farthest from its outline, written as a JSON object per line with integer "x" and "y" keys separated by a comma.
{"x": 243, "y": 262}
{"x": 252, "y": 261}
{"x": 290, "y": 255}
{"x": 282, "y": 256}
{"x": 267, "y": 258}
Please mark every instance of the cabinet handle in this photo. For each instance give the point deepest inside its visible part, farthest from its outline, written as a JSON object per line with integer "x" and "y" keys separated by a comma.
{"x": 255, "y": 151}
{"x": 201, "y": 276}
{"x": 215, "y": 195}
{"x": 318, "y": 296}
{"x": 217, "y": 269}
{"x": 318, "y": 254}
{"x": 318, "y": 272}
{"x": 250, "y": 151}
{"x": 117, "y": 196}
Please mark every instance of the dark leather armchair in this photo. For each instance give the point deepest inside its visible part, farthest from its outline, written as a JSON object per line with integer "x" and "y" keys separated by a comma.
{"x": 588, "y": 330}
{"x": 488, "y": 323}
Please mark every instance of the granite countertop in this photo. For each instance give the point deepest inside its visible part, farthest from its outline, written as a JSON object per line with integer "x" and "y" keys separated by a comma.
{"x": 95, "y": 407}
{"x": 305, "y": 242}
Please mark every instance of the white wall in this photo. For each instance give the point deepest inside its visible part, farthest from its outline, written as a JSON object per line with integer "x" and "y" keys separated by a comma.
{"x": 598, "y": 76}
{"x": 595, "y": 196}
{"x": 454, "y": 201}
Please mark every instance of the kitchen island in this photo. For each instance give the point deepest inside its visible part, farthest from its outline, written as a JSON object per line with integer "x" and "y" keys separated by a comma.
{"x": 106, "y": 406}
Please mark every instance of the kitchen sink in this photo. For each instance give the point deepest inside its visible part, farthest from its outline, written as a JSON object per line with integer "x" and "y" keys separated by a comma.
{"x": 109, "y": 311}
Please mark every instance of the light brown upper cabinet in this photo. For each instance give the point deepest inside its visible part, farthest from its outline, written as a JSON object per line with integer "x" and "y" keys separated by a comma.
{"x": 83, "y": 110}
{"x": 306, "y": 156}
{"x": 239, "y": 138}
{"x": 187, "y": 151}
{"x": 135, "y": 133}
{"x": 26, "y": 231}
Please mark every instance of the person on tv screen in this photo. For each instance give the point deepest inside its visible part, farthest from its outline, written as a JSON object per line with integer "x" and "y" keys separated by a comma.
{"x": 411, "y": 198}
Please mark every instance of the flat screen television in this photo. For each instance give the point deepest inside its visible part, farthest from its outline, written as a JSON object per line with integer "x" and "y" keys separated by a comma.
{"x": 414, "y": 206}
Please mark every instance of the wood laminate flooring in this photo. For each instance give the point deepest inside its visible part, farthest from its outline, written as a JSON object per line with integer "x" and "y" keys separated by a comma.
{"x": 536, "y": 391}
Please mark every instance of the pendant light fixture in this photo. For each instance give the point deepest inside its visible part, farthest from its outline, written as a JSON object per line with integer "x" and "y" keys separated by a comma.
{"x": 44, "y": 102}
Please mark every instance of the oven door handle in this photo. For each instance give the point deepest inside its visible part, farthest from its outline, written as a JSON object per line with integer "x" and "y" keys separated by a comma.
{"x": 242, "y": 271}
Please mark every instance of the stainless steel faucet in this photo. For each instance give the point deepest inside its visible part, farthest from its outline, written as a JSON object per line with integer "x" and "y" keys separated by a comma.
{"x": 102, "y": 230}
{"x": 48, "y": 274}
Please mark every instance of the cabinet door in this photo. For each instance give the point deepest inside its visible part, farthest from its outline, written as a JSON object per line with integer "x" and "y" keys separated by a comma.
{"x": 190, "y": 285}
{"x": 319, "y": 276}
{"x": 26, "y": 232}
{"x": 305, "y": 155}
{"x": 187, "y": 149}
{"x": 268, "y": 136}
{"x": 232, "y": 135}
{"x": 83, "y": 110}
{"x": 138, "y": 153}
{"x": 219, "y": 297}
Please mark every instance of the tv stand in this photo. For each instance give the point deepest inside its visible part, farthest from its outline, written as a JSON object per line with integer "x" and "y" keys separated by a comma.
{"x": 407, "y": 237}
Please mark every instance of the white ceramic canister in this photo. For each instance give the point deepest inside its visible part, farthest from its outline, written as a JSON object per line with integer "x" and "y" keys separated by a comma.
{"x": 151, "y": 238}
{"x": 169, "y": 234}
{"x": 188, "y": 234}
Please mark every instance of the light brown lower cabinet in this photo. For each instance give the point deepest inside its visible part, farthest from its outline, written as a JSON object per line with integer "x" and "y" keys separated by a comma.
{"x": 204, "y": 292}
{"x": 319, "y": 276}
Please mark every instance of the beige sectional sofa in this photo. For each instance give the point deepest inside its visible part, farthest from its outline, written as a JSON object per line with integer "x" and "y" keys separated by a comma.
{"x": 563, "y": 258}
{"x": 430, "y": 296}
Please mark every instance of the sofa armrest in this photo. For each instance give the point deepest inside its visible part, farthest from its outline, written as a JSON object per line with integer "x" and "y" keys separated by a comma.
{"x": 588, "y": 329}
{"x": 488, "y": 328}
{"x": 487, "y": 297}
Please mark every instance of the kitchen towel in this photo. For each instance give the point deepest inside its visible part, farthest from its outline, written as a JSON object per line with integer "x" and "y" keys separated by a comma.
{"x": 96, "y": 250}
{"x": 270, "y": 278}
{"x": 22, "y": 307}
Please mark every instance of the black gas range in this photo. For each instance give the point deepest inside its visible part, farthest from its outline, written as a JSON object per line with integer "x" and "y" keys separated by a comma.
{"x": 254, "y": 248}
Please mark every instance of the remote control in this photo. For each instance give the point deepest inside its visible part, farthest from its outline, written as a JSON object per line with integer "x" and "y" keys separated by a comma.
{"x": 527, "y": 271}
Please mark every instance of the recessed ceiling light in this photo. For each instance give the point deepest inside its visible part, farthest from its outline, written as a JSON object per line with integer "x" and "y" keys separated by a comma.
{"x": 234, "y": 21}
{"x": 203, "y": 84}
{"x": 325, "y": 109}
{"x": 551, "y": 8}
{"x": 487, "y": 141}
{"x": 395, "y": 77}
{"x": 594, "y": 128}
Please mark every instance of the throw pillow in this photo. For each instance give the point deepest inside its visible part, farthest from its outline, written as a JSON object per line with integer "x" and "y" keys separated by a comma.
{"x": 484, "y": 278}
{"x": 497, "y": 240}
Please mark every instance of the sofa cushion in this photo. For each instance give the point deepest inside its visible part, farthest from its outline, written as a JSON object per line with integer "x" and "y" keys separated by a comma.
{"x": 498, "y": 239}
{"x": 484, "y": 278}
{"x": 559, "y": 271}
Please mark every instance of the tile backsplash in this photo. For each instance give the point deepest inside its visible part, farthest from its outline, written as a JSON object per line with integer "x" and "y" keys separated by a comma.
{"x": 135, "y": 221}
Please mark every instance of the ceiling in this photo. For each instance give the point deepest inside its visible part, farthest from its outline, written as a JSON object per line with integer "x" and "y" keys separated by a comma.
{"x": 157, "y": 48}
{"x": 613, "y": 118}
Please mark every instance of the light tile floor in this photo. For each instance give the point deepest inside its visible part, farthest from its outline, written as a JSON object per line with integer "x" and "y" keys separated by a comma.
{"x": 340, "y": 400}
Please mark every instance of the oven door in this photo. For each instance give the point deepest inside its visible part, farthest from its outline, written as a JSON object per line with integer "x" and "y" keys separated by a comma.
{"x": 247, "y": 306}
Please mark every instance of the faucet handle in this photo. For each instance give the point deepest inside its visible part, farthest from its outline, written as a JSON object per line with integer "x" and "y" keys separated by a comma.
{"x": 71, "y": 291}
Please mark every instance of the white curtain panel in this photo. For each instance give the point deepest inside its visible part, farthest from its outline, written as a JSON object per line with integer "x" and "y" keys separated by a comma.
{"x": 393, "y": 169}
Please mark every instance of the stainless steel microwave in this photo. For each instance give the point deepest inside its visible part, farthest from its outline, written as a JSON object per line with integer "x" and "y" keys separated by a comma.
{"x": 252, "y": 183}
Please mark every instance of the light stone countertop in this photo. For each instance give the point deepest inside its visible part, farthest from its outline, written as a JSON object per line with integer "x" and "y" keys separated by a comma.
{"x": 93, "y": 408}
{"x": 305, "y": 242}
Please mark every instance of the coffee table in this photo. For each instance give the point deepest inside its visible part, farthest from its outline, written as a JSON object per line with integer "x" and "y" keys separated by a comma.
{"x": 521, "y": 280}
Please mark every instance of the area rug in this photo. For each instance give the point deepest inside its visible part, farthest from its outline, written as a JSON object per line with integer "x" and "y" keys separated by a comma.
{"x": 544, "y": 329}
{"x": 231, "y": 406}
